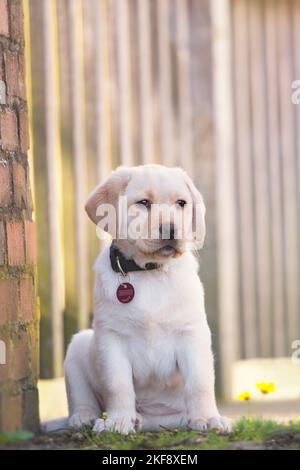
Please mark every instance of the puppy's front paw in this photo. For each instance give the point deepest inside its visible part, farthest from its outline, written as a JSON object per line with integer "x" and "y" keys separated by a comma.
{"x": 219, "y": 423}
{"x": 222, "y": 424}
{"x": 198, "y": 424}
{"x": 82, "y": 418}
{"x": 122, "y": 425}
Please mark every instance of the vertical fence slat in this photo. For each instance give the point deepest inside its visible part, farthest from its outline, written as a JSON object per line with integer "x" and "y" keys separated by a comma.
{"x": 225, "y": 191}
{"x": 288, "y": 162}
{"x": 100, "y": 100}
{"x": 27, "y": 34}
{"x": 261, "y": 187}
{"x": 102, "y": 90}
{"x": 165, "y": 82}
{"x": 78, "y": 135}
{"x": 69, "y": 186}
{"x": 40, "y": 167}
{"x": 184, "y": 86}
{"x": 135, "y": 109}
{"x": 275, "y": 176}
{"x": 145, "y": 98}
{"x": 54, "y": 188}
{"x": 92, "y": 47}
{"x": 296, "y": 56}
{"x": 124, "y": 84}
{"x": 112, "y": 80}
{"x": 296, "y": 41}
{"x": 245, "y": 174}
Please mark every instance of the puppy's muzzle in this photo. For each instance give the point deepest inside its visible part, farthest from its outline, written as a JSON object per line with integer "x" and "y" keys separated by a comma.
{"x": 167, "y": 232}
{"x": 168, "y": 236}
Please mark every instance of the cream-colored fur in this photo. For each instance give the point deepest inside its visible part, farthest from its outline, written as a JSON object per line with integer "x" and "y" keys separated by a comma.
{"x": 148, "y": 364}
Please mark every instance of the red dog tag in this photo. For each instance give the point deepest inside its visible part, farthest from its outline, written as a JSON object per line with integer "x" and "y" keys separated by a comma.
{"x": 125, "y": 292}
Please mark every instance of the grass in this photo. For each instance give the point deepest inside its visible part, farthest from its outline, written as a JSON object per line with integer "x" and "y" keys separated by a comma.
{"x": 247, "y": 433}
{"x": 15, "y": 437}
{"x": 255, "y": 430}
{"x": 246, "y": 430}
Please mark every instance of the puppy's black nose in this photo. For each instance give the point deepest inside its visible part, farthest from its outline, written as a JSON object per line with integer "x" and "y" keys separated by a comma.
{"x": 167, "y": 232}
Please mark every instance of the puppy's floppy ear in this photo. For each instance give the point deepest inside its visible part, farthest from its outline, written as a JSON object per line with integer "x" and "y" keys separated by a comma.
{"x": 108, "y": 191}
{"x": 198, "y": 215}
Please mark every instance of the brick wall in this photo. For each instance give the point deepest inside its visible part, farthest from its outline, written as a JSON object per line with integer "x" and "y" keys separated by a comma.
{"x": 18, "y": 305}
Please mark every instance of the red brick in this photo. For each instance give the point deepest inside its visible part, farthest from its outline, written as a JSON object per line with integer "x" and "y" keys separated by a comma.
{"x": 20, "y": 366}
{"x": 27, "y": 299}
{"x": 19, "y": 182}
{"x": 12, "y": 72}
{"x": 16, "y": 20}
{"x": 9, "y": 300}
{"x": 15, "y": 74}
{"x": 24, "y": 131}
{"x": 30, "y": 242}
{"x": 2, "y": 243}
{"x": 4, "y": 29}
{"x": 15, "y": 243}
{"x": 9, "y": 134}
{"x": 11, "y": 415}
{"x": 5, "y": 187}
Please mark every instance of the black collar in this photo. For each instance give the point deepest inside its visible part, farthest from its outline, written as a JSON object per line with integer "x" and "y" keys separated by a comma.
{"x": 117, "y": 260}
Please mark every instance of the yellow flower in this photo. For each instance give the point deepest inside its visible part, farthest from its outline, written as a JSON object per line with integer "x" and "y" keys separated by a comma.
{"x": 246, "y": 396}
{"x": 104, "y": 415}
{"x": 265, "y": 387}
{"x": 298, "y": 419}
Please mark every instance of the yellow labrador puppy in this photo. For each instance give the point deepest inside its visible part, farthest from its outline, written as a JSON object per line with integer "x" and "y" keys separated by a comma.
{"x": 147, "y": 362}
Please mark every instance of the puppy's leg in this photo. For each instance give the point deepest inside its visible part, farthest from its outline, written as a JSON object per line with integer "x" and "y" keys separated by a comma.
{"x": 83, "y": 405}
{"x": 195, "y": 360}
{"x": 116, "y": 386}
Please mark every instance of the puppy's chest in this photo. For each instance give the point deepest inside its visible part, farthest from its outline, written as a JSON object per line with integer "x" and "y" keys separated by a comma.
{"x": 152, "y": 355}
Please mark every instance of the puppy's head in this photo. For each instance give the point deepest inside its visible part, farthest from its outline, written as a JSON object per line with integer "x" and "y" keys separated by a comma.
{"x": 151, "y": 211}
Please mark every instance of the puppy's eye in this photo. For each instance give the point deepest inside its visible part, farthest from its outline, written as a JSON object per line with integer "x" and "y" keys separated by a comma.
{"x": 181, "y": 202}
{"x": 144, "y": 202}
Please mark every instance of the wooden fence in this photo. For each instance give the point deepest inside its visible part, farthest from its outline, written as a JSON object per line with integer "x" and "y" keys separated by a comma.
{"x": 258, "y": 163}
{"x": 197, "y": 83}
{"x": 265, "y": 38}
{"x": 111, "y": 82}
